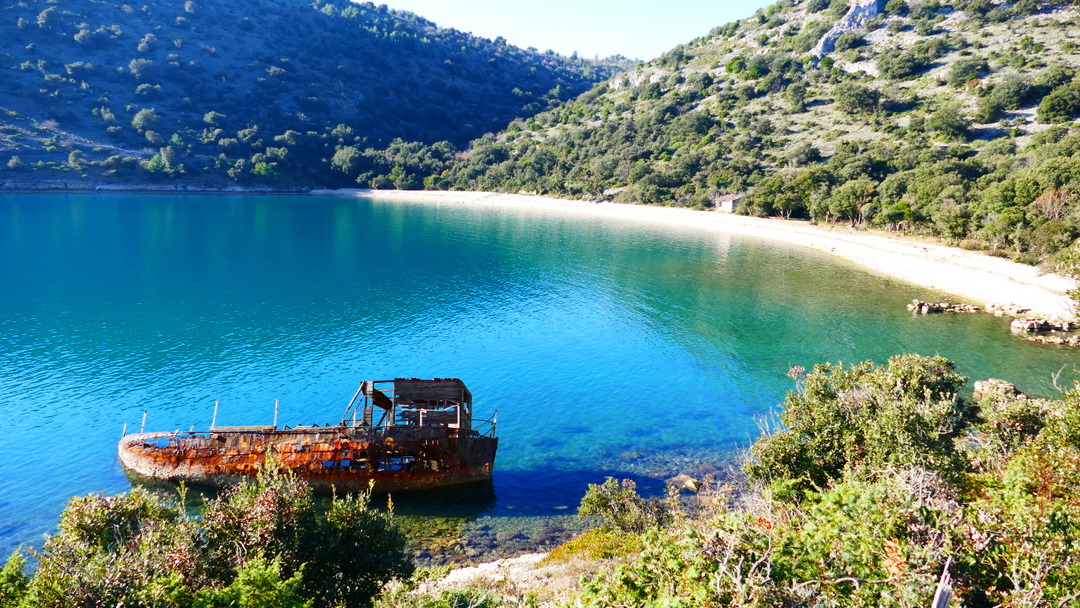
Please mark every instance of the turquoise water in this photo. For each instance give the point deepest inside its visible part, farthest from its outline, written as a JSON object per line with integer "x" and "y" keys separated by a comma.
{"x": 608, "y": 348}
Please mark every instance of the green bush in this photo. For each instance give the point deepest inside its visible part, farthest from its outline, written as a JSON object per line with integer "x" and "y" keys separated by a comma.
{"x": 858, "y": 545}
{"x": 263, "y": 544}
{"x": 1026, "y": 528}
{"x": 13, "y": 582}
{"x": 855, "y": 98}
{"x": 965, "y": 70}
{"x": 1062, "y": 105}
{"x": 621, "y": 507}
{"x": 866, "y": 419}
{"x": 879, "y": 532}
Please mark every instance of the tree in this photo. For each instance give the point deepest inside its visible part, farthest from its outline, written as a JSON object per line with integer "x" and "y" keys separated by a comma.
{"x": 1053, "y": 203}
{"x": 13, "y": 582}
{"x": 141, "y": 68}
{"x": 265, "y": 171}
{"x": 949, "y": 123}
{"x": 214, "y": 119}
{"x": 347, "y": 159}
{"x": 804, "y": 154}
{"x": 145, "y": 119}
{"x": 47, "y": 17}
{"x": 964, "y": 70}
{"x": 15, "y": 163}
{"x": 854, "y": 98}
{"x": 796, "y": 95}
{"x": 1062, "y": 105}
{"x": 850, "y": 200}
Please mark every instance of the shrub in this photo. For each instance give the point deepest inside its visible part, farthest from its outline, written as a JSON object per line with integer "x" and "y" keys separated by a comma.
{"x": 896, "y": 8}
{"x": 13, "y": 582}
{"x": 1062, "y": 105}
{"x": 621, "y": 507}
{"x": 1032, "y": 511}
{"x": 965, "y": 70}
{"x": 949, "y": 123}
{"x": 858, "y": 545}
{"x": 849, "y": 40}
{"x": 864, "y": 419}
{"x": 854, "y": 98}
{"x": 259, "y": 544}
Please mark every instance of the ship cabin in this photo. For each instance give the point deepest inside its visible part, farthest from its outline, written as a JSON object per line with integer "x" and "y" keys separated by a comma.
{"x": 439, "y": 403}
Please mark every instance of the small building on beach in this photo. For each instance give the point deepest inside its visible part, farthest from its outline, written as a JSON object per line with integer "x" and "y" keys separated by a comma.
{"x": 728, "y": 203}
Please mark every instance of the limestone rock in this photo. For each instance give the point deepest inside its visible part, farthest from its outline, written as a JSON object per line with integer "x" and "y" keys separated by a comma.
{"x": 684, "y": 482}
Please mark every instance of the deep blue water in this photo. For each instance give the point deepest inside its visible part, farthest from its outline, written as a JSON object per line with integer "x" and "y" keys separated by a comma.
{"x": 607, "y": 347}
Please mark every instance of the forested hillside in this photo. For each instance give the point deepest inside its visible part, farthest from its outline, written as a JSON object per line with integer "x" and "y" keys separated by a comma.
{"x": 952, "y": 118}
{"x": 259, "y": 90}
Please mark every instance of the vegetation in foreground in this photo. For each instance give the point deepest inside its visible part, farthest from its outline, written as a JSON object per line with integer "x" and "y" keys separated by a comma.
{"x": 883, "y": 478}
{"x": 261, "y": 545}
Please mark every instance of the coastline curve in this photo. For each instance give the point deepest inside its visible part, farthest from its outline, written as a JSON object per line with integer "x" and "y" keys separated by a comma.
{"x": 973, "y": 276}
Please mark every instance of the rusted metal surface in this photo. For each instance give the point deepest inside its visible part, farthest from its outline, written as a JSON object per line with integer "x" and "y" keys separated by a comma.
{"x": 426, "y": 440}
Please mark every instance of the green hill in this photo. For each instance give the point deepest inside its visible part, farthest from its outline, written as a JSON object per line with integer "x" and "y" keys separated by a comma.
{"x": 956, "y": 119}
{"x": 212, "y": 86}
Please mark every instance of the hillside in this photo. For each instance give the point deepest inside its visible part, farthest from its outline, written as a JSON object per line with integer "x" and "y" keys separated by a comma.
{"x": 956, "y": 119}
{"x": 211, "y": 86}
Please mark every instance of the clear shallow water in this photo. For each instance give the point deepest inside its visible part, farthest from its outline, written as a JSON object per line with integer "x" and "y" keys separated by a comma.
{"x": 608, "y": 348}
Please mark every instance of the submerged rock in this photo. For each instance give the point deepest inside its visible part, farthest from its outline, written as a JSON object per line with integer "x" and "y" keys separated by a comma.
{"x": 683, "y": 482}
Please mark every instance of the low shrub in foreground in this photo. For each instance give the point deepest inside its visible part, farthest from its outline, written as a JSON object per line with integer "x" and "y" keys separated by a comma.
{"x": 882, "y": 475}
{"x": 263, "y": 544}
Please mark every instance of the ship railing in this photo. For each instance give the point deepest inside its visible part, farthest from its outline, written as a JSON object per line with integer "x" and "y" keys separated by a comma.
{"x": 480, "y": 426}
{"x": 486, "y": 427}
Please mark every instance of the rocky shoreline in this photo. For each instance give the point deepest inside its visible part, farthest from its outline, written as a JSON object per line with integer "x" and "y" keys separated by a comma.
{"x": 1058, "y": 332}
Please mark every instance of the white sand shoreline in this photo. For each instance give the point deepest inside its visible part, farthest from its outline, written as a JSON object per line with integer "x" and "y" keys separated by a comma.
{"x": 973, "y": 276}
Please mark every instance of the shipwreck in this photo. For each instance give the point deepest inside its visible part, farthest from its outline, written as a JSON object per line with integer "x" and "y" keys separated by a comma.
{"x": 395, "y": 435}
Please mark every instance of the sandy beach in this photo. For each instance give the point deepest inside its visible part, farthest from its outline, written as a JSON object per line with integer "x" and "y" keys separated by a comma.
{"x": 971, "y": 276}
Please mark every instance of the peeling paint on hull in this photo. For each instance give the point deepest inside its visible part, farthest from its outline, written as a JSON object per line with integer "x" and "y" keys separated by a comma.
{"x": 405, "y": 455}
{"x": 342, "y": 458}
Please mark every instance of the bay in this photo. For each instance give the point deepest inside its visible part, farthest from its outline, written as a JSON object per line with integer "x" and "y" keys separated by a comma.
{"x": 607, "y": 347}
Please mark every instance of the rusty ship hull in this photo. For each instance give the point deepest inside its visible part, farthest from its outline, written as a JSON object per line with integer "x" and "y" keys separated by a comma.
{"x": 426, "y": 439}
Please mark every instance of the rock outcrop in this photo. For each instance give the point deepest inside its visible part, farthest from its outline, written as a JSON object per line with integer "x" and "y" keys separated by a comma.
{"x": 995, "y": 386}
{"x": 860, "y": 12}
{"x": 1056, "y": 339}
{"x": 928, "y": 308}
{"x": 1034, "y": 324}
{"x": 1006, "y": 310}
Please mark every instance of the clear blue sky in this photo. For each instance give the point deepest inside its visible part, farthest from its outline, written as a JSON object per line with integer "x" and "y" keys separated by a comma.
{"x": 639, "y": 29}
